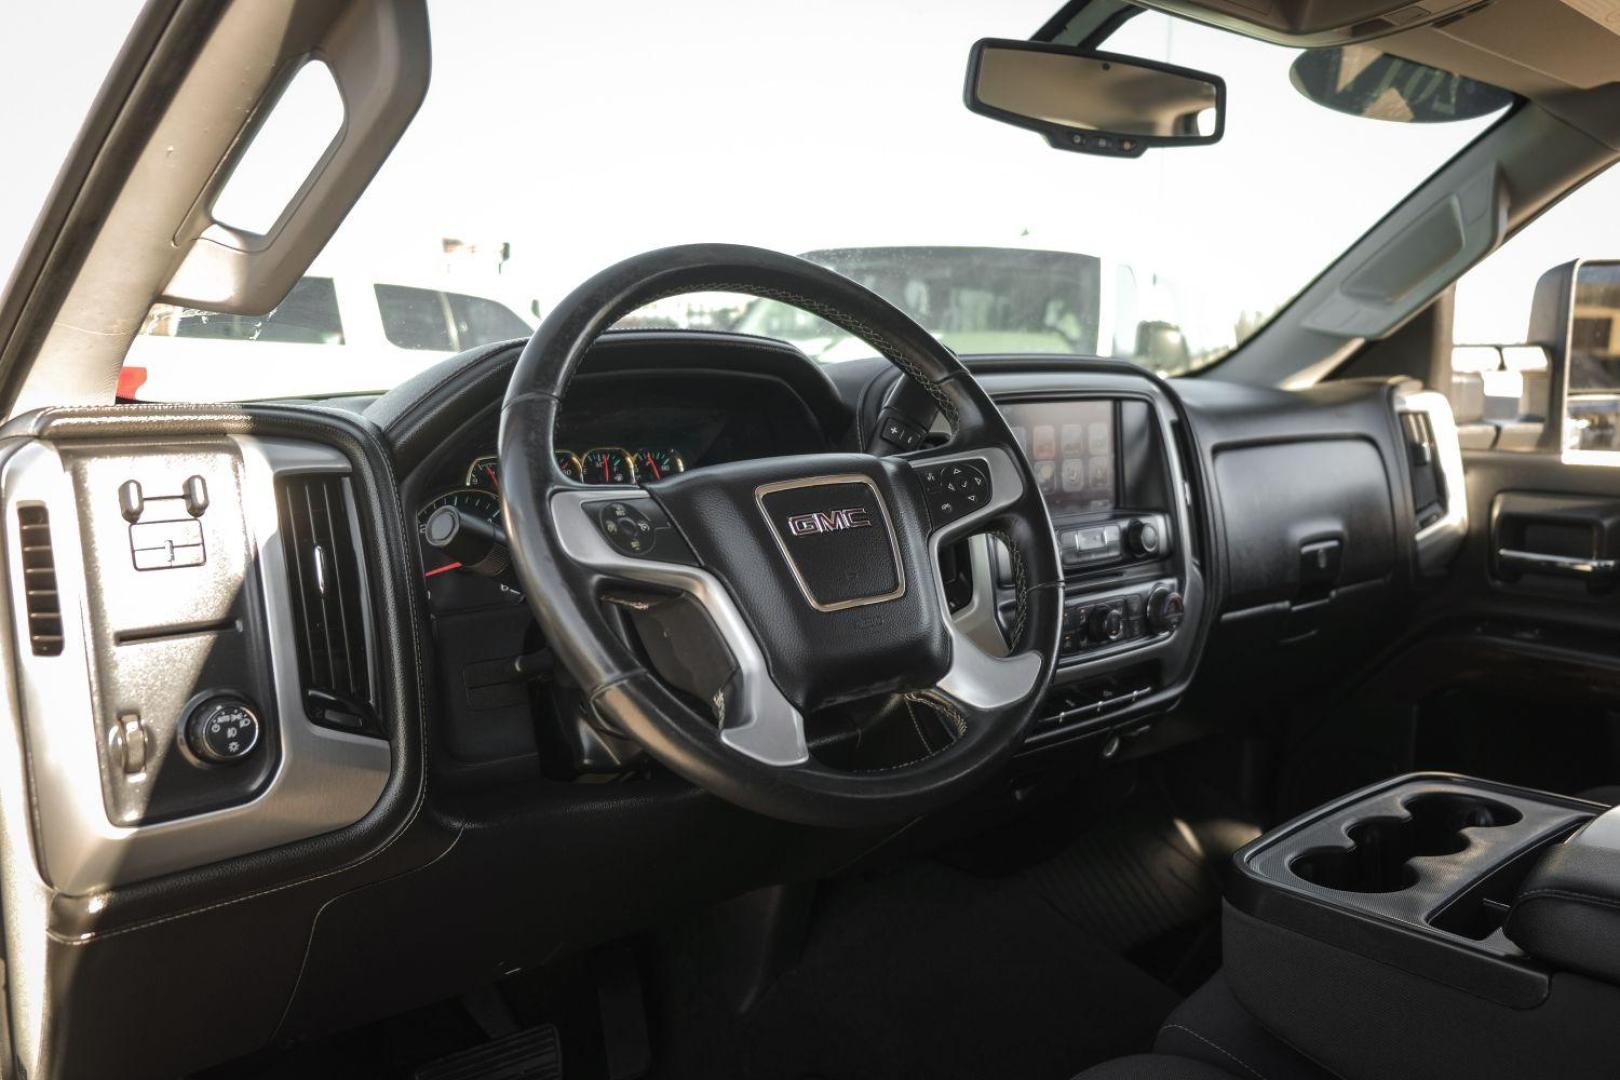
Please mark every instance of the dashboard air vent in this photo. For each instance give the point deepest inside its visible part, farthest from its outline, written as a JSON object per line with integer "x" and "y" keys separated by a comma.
{"x": 39, "y": 581}
{"x": 1428, "y": 486}
{"x": 323, "y": 569}
{"x": 1190, "y": 496}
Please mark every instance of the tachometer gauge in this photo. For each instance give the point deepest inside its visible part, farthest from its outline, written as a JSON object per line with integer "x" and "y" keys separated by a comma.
{"x": 568, "y": 462}
{"x": 654, "y": 464}
{"x": 485, "y": 474}
{"x": 470, "y": 501}
{"x": 608, "y": 465}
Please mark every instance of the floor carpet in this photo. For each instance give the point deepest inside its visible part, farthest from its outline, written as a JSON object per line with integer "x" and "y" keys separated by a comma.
{"x": 925, "y": 972}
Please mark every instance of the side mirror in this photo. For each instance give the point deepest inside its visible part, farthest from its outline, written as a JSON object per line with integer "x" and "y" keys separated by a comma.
{"x": 1094, "y": 102}
{"x": 1163, "y": 346}
{"x": 1576, "y": 317}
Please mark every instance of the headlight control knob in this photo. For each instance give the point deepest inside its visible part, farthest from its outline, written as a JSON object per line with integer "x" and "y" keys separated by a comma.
{"x": 223, "y": 730}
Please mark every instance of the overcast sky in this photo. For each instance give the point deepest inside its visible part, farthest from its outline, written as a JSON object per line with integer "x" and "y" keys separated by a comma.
{"x": 582, "y": 133}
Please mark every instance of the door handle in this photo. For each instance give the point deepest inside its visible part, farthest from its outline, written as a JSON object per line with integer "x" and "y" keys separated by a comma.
{"x": 1572, "y": 565}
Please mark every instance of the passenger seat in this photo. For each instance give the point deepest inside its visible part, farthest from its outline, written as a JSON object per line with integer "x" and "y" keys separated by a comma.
{"x": 1211, "y": 1036}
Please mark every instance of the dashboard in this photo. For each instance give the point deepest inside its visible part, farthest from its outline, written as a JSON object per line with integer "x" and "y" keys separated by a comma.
{"x": 407, "y": 730}
{"x": 1160, "y": 498}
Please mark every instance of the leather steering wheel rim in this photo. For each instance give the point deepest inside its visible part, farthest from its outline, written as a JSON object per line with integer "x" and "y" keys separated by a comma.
{"x": 543, "y": 509}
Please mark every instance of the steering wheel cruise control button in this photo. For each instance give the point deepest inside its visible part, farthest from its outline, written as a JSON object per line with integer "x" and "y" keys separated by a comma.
{"x": 955, "y": 489}
{"x": 223, "y": 730}
{"x": 640, "y": 528}
{"x": 627, "y": 528}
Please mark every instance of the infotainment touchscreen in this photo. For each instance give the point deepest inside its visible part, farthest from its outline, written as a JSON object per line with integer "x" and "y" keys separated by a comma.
{"x": 1071, "y": 446}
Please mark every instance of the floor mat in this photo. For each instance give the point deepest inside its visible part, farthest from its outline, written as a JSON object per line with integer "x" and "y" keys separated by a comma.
{"x": 1139, "y": 878}
{"x": 925, "y": 972}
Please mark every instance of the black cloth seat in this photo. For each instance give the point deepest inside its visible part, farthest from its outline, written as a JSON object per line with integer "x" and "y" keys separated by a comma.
{"x": 1155, "y": 1067}
{"x": 1211, "y": 1036}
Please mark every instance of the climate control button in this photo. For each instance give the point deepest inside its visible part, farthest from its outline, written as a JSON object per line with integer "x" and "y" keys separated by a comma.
{"x": 1106, "y": 624}
{"x": 1165, "y": 610}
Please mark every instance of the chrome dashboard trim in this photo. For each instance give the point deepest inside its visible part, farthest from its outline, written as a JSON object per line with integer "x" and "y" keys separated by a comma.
{"x": 762, "y": 724}
{"x": 895, "y": 593}
{"x": 1179, "y": 651}
{"x": 977, "y": 677}
{"x": 326, "y": 779}
{"x": 1438, "y": 542}
{"x": 977, "y": 619}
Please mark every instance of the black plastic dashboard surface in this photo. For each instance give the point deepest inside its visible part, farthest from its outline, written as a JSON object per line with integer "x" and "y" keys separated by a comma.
{"x": 1277, "y": 499}
{"x": 254, "y": 911}
{"x": 425, "y": 895}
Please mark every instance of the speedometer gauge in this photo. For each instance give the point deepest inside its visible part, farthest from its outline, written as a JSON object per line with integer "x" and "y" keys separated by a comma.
{"x": 655, "y": 464}
{"x": 608, "y": 465}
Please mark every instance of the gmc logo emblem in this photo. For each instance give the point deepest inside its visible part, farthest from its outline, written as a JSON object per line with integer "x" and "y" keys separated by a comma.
{"x": 826, "y": 521}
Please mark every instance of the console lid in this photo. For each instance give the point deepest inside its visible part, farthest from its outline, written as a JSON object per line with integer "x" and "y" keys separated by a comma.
{"x": 1567, "y": 913}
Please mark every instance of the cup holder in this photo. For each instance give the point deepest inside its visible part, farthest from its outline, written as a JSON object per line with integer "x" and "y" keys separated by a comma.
{"x": 1381, "y": 849}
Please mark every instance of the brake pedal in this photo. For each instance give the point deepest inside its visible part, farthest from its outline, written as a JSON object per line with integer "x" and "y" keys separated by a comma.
{"x": 532, "y": 1054}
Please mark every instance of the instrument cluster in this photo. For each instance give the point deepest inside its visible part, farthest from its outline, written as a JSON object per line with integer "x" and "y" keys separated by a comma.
{"x": 600, "y": 465}
{"x": 479, "y": 495}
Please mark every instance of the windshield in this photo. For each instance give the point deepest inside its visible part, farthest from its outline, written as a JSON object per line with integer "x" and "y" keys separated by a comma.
{"x": 557, "y": 139}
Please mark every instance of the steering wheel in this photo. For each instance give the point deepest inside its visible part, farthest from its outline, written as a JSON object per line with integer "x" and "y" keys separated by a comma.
{"x": 816, "y": 577}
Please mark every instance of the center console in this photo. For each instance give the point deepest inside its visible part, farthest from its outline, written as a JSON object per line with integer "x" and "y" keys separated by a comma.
{"x": 1105, "y": 458}
{"x": 1108, "y": 519}
{"x": 1425, "y": 926}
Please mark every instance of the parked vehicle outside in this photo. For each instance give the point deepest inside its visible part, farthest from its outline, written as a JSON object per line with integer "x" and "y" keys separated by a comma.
{"x": 996, "y": 300}
{"x": 342, "y": 334}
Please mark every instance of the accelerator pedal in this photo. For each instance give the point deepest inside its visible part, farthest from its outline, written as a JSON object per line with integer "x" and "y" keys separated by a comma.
{"x": 532, "y": 1054}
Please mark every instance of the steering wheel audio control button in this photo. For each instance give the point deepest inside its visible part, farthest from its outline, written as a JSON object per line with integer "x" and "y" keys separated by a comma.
{"x": 955, "y": 489}
{"x": 223, "y": 730}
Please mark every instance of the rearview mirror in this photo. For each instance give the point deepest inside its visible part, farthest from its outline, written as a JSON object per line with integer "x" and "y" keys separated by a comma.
{"x": 1093, "y": 102}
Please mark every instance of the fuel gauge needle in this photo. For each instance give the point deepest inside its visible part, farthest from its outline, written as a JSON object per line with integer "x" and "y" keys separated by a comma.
{"x": 442, "y": 569}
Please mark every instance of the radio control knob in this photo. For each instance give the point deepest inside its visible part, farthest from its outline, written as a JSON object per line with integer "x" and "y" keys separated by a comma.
{"x": 1142, "y": 537}
{"x": 222, "y": 730}
{"x": 1106, "y": 624}
{"x": 1165, "y": 609}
